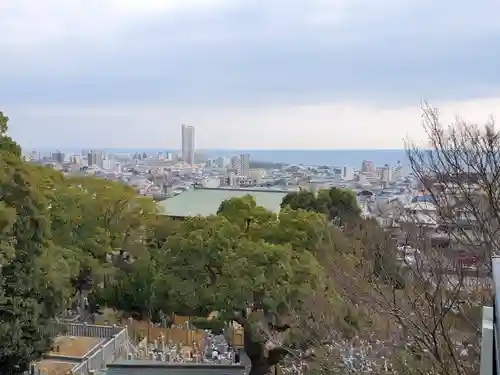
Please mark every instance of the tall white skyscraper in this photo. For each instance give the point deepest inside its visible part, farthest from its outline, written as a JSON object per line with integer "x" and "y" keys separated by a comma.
{"x": 244, "y": 165}
{"x": 188, "y": 145}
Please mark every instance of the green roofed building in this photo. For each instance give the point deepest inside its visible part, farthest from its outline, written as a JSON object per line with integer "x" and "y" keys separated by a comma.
{"x": 205, "y": 202}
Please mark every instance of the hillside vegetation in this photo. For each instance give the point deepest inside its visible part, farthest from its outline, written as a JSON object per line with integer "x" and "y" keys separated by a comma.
{"x": 299, "y": 284}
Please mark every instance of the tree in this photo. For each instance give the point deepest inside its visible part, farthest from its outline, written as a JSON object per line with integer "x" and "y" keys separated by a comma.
{"x": 58, "y": 236}
{"x": 29, "y": 295}
{"x": 431, "y": 314}
{"x": 109, "y": 216}
{"x": 377, "y": 248}
{"x": 244, "y": 211}
{"x": 339, "y": 205}
{"x": 459, "y": 169}
{"x": 215, "y": 266}
{"x": 138, "y": 289}
{"x": 338, "y": 324}
{"x": 104, "y": 223}
{"x": 304, "y": 199}
{"x": 435, "y": 312}
{"x": 426, "y": 301}
{"x": 254, "y": 268}
{"x": 244, "y": 263}
{"x": 364, "y": 322}
{"x": 7, "y": 144}
{"x": 299, "y": 229}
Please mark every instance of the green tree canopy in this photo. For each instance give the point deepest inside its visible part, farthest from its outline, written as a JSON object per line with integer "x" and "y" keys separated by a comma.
{"x": 30, "y": 295}
{"x": 337, "y": 204}
{"x": 7, "y": 144}
{"x": 246, "y": 263}
{"x": 214, "y": 265}
{"x": 304, "y": 200}
{"x": 58, "y": 236}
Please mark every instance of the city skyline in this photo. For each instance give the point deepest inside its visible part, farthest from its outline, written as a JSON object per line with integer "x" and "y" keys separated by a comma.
{"x": 234, "y": 158}
{"x": 320, "y": 75}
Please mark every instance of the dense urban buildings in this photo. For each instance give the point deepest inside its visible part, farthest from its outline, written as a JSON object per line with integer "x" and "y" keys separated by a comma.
{"x": 95, "y": 158}
{"x": 174, "y": 173}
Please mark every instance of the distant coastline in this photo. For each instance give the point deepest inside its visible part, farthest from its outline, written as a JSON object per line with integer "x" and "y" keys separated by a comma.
{"x": 334, "y": 158}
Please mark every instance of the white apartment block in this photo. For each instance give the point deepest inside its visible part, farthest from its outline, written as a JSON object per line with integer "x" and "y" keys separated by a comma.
{"x": 188, "y": 144}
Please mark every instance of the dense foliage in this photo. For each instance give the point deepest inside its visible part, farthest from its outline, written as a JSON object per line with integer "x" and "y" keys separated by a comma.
{"x": 55, "y": 235}
{"x": 292, "y": 282}
{"x": 337, "y": 204}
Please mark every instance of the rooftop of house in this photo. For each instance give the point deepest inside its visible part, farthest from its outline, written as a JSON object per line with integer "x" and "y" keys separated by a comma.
{"x": 421, "y": 206}
{"x": 67, "y": 352}
{"x": 52, "y": 367}
{"x": 205, "y": 202}
{"x": 81, "y": 344}
{"x": 140, "y": 367}
{"x": 75, "y": 346}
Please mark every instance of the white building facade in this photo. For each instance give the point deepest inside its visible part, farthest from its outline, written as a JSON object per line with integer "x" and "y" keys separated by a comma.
{"x": 188, "y": 144}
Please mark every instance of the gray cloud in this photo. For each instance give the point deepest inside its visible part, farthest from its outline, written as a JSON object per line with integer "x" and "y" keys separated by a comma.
{"x": 256, "y": 53}
{"x": 124, "y": 73}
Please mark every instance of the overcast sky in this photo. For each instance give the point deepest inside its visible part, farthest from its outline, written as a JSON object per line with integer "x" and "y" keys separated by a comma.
{"x": 245, "y": 73}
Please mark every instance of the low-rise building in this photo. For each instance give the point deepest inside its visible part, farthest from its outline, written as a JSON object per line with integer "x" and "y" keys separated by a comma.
{"x": 138, "y": 367}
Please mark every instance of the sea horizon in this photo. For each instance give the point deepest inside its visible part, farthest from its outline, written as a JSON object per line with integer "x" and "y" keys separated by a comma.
{"x": 328, "y": 157}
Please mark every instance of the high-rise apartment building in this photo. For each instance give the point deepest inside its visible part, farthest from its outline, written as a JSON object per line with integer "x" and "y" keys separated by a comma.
{"x": 241, "y": 164}
{"x": 386, "y": 173}
{"x": 188, "y": 145}
{"x": 58, "y": 157}
{"x": 397, "y": 171}
{"x": 347, "y": 173}
{"x": 244, "y": 167}
{"x": 95, "y": 157}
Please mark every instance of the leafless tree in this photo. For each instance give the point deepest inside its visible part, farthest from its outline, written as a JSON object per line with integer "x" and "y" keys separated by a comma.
{"x": 390, "y": 310}
{"x": 434, "y": 298}
{"x": 435, "y": 306}
{"x": 412, "y": 309}
{"x": 338, "y": 333}
{"x": 460, "y": 169}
